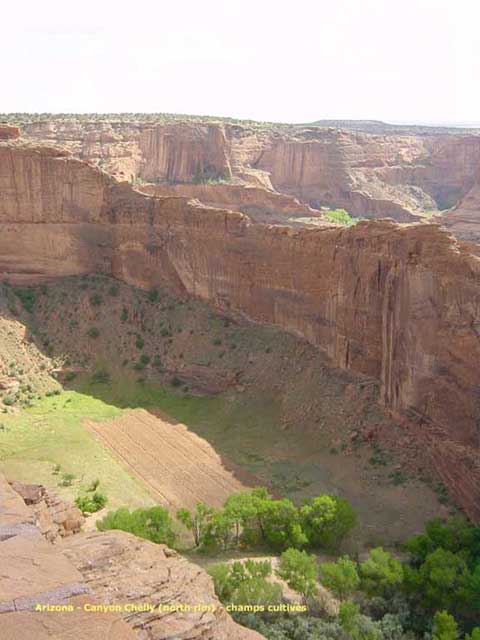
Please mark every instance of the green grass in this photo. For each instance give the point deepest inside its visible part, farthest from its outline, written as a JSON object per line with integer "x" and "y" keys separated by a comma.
{"x": 242, "y": 427}
{"x": 50, "y": 433}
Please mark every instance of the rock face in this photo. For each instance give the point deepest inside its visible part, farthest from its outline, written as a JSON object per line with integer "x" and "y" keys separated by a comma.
{"x": 9, "y": 132}
{"x": 119, "y": 567}
{"x": 400, "y": 304}
{"x": 261, "y": 204}
{"x": 372, "y": 176}
{"x": 464, "y": 219}
{"x": 113, "y": 569}
{"x": 54, "y": 518}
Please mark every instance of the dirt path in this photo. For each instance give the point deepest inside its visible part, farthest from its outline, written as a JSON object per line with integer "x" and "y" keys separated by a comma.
{"x": 177, "y": 466}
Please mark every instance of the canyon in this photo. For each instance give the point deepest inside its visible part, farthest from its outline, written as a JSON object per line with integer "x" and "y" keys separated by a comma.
{"x": 396, "y": 304}
{"x": 383, "y": 174}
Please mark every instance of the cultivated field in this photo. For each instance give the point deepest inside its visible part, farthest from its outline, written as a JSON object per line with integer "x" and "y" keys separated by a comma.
{"x": 178, "y": 467}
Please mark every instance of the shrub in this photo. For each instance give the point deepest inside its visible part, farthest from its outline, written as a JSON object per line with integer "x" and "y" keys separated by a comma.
{"x": 93, "y": 486}
{"x": 67, "y": 480}
{"x": 96, "y": 300}
{"x": 27, "y": 298}
{"x": 245, "y": 583}
{"x": 152, "y": 524}
{"x": 101, "y": 377}
{"x": 139, "y": 342}
{"x": 153, "y": 295}
{"x": 124, "y": 314}
{"x": 113, "y": 291}
{"x": 175, "y": 381}
{"x": 91, "y": 504}
{"x": 93, "y": 332}
{"x": 9, "y": 400}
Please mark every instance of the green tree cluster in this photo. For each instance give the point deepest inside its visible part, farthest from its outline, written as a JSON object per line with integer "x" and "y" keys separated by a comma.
{"x": 254, "y": 519}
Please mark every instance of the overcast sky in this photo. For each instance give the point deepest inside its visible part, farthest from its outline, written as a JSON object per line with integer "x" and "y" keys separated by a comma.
{"x": 295, "y": 61}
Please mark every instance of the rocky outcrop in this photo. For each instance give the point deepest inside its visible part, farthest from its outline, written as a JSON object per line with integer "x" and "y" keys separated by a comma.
{"x": 463, "y": 220}
{"x": 397, "y": 303}
{"x": 54, "y": 518}
{"x": 119, "y": 567}
{"x": 180, "y": 153}
{"x": 9, "y": 132}
{"x": 100, "y": 586}
{"x": 372, "y": 176}
{"x": 261, "y": 204}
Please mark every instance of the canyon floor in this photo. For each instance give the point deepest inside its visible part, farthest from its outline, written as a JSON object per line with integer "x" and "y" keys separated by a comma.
{"x": 152, "y": 381}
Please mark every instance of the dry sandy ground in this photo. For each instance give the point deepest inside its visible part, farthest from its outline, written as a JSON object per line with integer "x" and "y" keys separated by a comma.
{"x": 178, "y": 467}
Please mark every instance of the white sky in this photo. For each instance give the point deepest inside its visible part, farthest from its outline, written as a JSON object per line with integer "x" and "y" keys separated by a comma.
{"x": 295, "y": 61}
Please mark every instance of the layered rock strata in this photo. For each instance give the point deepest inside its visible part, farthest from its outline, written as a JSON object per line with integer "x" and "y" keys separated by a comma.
{"x": 372, "y": 176}
{"x": 397, "y": 303}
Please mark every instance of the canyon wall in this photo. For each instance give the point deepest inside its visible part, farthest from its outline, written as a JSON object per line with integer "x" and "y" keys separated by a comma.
{"x": 372, "y": 176}
{"x": 400, "y": 304}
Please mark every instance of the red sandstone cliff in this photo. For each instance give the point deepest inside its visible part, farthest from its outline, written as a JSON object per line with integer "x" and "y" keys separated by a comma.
{"x": 401, "y": 304}
{"x": 373, "y": 176}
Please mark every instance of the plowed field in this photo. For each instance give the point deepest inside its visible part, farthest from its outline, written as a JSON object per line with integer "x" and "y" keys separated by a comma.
{"x": 178, "y": 467}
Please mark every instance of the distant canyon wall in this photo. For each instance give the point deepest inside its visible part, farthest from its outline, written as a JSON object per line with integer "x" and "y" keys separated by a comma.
{"x": 398, "y": 304}
{"x": 372, "y": 176}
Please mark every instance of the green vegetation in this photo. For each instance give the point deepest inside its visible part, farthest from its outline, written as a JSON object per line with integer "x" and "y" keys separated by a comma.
{"x": 153, "y": 524}
{"x": 153, "y": 295}
{"x": 27, "y": 297}
{"x": 255, "y": 520}
{"x": 341, "y": 577}
{"x": 96, "y": 300}
{"x": 91, "y": 503}
{"x": 43, "y": 439}
{"x": 245, "y": 584}
{"x": 299, "y": 570}
{"x": 93, "y": 332}
{"x": 67, "y": 480}
{"x": 327, "y": 520}
{"x": 340, "y": 216}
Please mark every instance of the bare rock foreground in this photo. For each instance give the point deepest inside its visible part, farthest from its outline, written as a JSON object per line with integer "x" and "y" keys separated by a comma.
{"x": 85, "y": 571}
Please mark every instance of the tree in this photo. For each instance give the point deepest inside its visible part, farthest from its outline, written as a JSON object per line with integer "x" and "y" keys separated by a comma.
{"x": 299, "y": 570}
{"x": 220, "y": 528}
{"x": 444, "y": 626}
{"x": 327, "y": 520}
{"x": 356, "y": 625}
{"x": 280, "y": 525}
{"x": 340, "y": 577}
{"x": 441, "y": 582}
{"x": 197, "y": 521}
{"x": 242, "y": 508}
{"x": 475, "y": 635}
{"x": 380, "y": 572}
{"x": 455, "y": 534}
